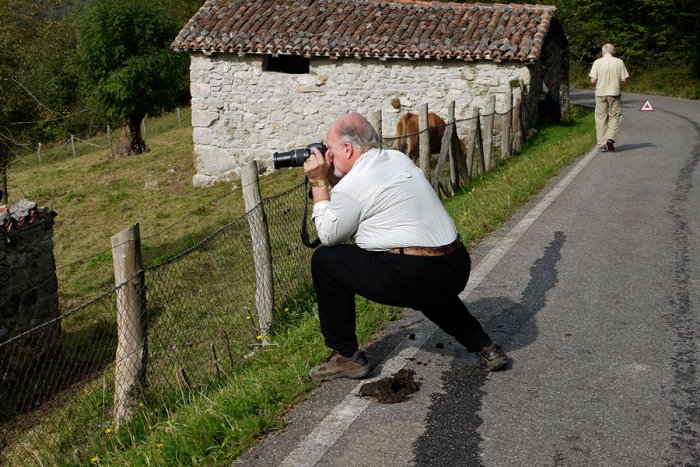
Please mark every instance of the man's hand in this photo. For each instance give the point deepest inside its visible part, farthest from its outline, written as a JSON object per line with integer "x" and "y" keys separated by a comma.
{"x": 318, "y": 166}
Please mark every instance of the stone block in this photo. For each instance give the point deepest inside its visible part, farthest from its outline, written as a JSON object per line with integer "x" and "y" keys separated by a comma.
{"x": 203, "y": 118}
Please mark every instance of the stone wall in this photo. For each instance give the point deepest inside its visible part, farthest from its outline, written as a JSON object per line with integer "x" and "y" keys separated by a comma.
{"x": 241, "y": 112}
{"x": 29, "y": 290}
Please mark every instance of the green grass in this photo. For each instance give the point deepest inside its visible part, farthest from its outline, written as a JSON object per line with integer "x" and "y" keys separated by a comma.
{"x": 219, "y": 419}
{"x": 215, "y": 428}
{"x": 672, "y": 80}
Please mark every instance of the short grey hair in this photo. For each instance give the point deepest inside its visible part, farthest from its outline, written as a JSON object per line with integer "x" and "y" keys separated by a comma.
{"x": 356, "y": 130}
{"x": 609, "y": 49}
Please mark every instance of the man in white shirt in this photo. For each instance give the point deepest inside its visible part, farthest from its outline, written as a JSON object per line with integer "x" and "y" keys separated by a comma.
{"x": 608, "y": 73}
{"x": 407, "y": 252}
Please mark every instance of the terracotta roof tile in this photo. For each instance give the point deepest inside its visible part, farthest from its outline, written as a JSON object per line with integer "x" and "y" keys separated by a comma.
{"x": 22, "y": 214}
{"x": 368, "y": 28}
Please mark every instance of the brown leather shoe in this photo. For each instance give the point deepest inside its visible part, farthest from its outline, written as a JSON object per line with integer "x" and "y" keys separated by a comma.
{"x": 338, "y": 366}
{"x": 493, "y": 361}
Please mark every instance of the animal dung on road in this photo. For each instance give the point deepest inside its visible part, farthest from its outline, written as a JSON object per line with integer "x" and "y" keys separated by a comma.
{"x": 391, "y": 390}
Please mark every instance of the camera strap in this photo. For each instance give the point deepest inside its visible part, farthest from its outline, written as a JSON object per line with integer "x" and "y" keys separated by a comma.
{"x": 304, "y": 229}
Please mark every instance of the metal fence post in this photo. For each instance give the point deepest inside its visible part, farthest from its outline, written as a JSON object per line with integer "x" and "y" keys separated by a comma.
{"x": 131, "y": 330}
{"x": 262, "y": 254}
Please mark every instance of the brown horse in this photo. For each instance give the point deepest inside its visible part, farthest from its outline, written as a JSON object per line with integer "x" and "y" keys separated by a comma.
{"x": 407, "y": 134}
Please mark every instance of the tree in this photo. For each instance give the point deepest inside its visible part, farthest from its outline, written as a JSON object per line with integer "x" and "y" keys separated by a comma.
{"x": 124, "y": 48}
{"x": 19, "y": 95}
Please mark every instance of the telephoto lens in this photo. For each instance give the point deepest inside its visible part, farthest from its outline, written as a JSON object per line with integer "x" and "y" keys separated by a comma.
{"x": 295, "y": 157}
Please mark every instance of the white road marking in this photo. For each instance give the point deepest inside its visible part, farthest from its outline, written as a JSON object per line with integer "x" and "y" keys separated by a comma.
{"x": 327, "y": 433}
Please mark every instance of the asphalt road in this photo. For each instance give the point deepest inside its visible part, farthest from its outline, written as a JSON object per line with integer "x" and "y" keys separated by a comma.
{"x": 593, "y": 288}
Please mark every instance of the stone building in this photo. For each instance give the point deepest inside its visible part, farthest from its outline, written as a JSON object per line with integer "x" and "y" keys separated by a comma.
{"x": 269, "y": 76}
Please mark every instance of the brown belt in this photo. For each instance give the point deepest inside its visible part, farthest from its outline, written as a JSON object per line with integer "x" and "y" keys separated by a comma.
{"x": 428, "y": 250}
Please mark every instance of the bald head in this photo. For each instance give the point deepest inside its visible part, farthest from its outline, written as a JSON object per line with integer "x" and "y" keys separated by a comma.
{"x": 608, "y": 49}
{"x": 356, "y": 130}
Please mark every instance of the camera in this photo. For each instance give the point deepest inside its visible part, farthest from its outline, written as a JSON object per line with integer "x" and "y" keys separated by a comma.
{"x": 296, "y": 157}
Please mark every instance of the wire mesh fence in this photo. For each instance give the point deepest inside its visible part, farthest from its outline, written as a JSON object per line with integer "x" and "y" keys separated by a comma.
{"x": 57, "y": 385}
{"x": 187, "y": 323}
{"x": 198, "y": 324}
{"x": 73, "y": 145}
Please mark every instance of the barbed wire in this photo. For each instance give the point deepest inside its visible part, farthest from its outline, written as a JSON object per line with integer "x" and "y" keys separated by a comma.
{"x": 62, "y": 117}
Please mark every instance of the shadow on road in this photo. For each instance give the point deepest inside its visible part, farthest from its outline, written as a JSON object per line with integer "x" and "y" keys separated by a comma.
{"x": 451, "y": 436}
{"x": 629, "y": 147}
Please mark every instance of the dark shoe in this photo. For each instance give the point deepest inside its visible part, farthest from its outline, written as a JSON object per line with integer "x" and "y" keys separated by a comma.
{"x": 337, "y": 366}
{"x": 603, "y": 148}
{"x": 493, "y": 361}
{"x": 610, "y": 144}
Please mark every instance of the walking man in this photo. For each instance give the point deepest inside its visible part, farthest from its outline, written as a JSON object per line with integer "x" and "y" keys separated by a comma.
{"x": 608, "y": 73}
{"x": 406, "y": 252}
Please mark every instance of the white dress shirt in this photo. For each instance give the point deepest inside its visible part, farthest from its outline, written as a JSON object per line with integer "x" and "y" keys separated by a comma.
{"x": 385, "y": 202}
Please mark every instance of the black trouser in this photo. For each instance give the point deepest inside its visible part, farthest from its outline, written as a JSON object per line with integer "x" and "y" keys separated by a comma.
{"x": 430, "y": 284}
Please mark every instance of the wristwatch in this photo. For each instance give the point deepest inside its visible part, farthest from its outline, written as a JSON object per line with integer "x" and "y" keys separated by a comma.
{"x": 318, "y": 183}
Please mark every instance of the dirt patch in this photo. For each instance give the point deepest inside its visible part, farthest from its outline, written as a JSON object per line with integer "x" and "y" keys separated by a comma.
{"x": 391, "y": 390}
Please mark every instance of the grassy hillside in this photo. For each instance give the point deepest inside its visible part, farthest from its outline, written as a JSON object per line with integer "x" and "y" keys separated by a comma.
{"x": 96, "y": 197}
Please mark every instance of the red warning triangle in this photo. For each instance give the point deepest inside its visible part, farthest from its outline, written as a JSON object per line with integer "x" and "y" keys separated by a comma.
{"x": 646, "y": 107}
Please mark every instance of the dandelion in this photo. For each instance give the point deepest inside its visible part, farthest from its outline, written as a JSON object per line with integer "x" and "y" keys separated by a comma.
{"x": 94, "y": 459}
{"x": 160, "y": 445}
{"x": 108, "y": 430}
{"x": 247, "y": 317}
{"x": 259, "y": 337}
{"x": 141, "y": 405}
{"x": 286, "y": 309}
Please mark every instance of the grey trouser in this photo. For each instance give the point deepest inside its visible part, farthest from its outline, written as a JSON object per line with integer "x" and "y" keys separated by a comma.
{"x": 608, "y": 115}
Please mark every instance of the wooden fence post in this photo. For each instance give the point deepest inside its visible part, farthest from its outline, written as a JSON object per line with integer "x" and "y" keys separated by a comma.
{"x": 38, "y": 153}
{"x": 506, "y": 148}
{"x": 109, "y": 140}
{"x": 262, "y": 254}
{"x": 455, "y": 154}
{"x": 143, "y": 123}
{"x": 488, "y": 132}
{"x": 424, "y": 138}
{"x": 72, "y": 144}
{"x": 179, "y": 118}
{"x": 479, "y": 143}
{"x": 470, "y": 146}
{"x": 130, "y": 364}
{"x": 475, "y": 149}
{"x": 445, "y": 154}
{"x": 517, "y": 120}
{"x": 375, "y": 119}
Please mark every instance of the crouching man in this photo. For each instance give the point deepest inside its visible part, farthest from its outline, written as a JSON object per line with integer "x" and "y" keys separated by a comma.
{"x": 407, "y": 252}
